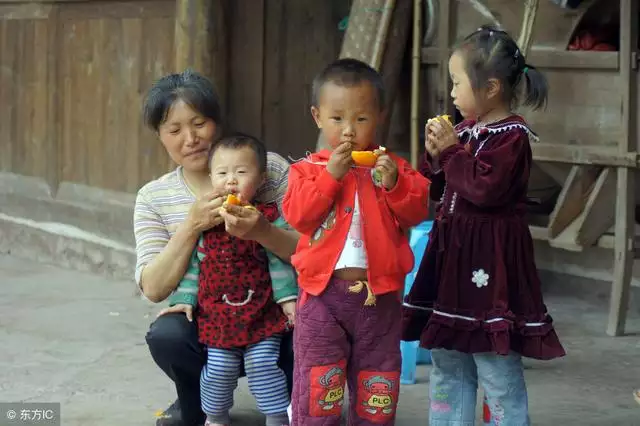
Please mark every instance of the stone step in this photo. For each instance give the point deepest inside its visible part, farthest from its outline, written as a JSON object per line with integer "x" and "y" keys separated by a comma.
{"x": 66, "y": 246}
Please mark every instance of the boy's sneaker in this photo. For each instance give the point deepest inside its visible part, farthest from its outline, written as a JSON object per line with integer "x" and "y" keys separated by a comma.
{"x": 172, "y": 416}
{"x": 636, "y": 395}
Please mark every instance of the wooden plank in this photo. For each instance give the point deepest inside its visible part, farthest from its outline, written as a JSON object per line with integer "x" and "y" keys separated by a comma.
{"x": 586, "y": 155}
{"x": 625, "y": 202}
{"x": 394, "y": 68}
{"x": 22, "y": 131}
{"x": 415, "y": 123}
{"x": 157, "y": 58}
{"x": 65, "y": 82}
{"x": 541, "y": 233}
{"x": 623, "y": 253}
{"x": 572, "y": 198}
{"x": 192, "y": 41}
{"x": 275, "y": 63}
{"x": 566, "y": 240}
{"x": 8, "y": 92}
{"x": 25, "y": 11}
{"x": 76, "y": 54}
{"x": 131, "y": 85}
{"x": 115, "y": 126}
{"x": 219, "y": 48}
{"x": 83, "y": 10}
{"x": 53, "y": 101}
{"x": 246, "y": 66}
{"x": 40, "y": 141}
{"x": 550, "y": 59}
{"x": 96, "y": 75}
{"x": 444, "y": 51}
{"x": 599, "y": 212}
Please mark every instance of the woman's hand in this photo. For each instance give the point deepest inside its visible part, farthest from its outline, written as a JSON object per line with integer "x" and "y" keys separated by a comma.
{"x": 441, "y": 135}
{"x": 205, "y": 212}
{"x": 241, "y": 222}
{"x": 289, "y": 309}
{"x": 181, "y": 307}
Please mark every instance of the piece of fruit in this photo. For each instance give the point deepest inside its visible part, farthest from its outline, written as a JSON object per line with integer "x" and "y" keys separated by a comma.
{"x": 444, "y": 117}
{"x": 364, "y": 158}
{"x": 232, "y": 200}
{"x": 367, "y": 158}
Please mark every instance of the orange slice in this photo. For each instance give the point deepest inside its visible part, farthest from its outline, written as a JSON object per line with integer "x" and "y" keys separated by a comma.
{"x": 444, "y": 117}
{"x": 232, "y": 200}
{"x": 364, "y": 158}
{"x": 367, "y": 158}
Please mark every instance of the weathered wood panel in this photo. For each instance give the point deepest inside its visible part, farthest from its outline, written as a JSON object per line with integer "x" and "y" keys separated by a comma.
{"x": 301, "y": 37}
{"x": 71, "y": 88}
{"x": 584, "y": 109}
{"x": 74, "y": 74}
{"x": 107, "y": 64}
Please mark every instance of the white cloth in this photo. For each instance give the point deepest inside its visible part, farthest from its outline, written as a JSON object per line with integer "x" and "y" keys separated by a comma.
{"x": 353, "y": 253}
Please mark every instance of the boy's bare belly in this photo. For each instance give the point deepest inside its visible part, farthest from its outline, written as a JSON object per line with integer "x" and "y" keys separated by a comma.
{"x": 351, "y": 274}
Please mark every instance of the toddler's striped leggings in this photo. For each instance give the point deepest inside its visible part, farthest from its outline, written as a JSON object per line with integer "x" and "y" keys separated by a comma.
{"x": 267, "y": 381}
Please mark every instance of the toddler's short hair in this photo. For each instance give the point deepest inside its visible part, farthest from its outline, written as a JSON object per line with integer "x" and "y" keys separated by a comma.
{"x": 348, "y": 72}
{"x": 241, "y": 140}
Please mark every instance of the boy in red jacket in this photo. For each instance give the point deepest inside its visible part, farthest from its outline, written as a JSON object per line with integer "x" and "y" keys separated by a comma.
{"x": 352, "y": 256}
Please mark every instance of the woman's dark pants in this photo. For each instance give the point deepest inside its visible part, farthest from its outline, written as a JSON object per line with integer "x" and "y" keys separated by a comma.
{"x": 173, "y": 343}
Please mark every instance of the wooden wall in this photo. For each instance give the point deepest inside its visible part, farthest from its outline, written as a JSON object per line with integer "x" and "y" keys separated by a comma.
{"x": 73, "y": 75}
{"x": 277, "y": 47}
{"x": 70, "y": 90}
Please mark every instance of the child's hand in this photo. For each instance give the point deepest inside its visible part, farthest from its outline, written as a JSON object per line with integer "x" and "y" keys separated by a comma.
{"x": 444, "y": 135}
{"x": 180, "y": 307}
{"x": 340, "y": 161}
{"x": 289, "y": 309}
{"x": 430, "y": 142}
{"x": 388, "y": 170}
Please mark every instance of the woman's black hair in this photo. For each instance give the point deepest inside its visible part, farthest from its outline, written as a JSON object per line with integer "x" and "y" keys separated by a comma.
{"x": 194, "y": 89}
{"x": 492, "y": 53}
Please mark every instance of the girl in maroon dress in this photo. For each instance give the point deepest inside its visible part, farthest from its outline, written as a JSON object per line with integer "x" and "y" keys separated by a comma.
{"x": 476, "y": 300}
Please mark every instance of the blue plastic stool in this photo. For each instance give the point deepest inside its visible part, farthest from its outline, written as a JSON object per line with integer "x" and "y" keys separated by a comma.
{"x": 412, "y": 353}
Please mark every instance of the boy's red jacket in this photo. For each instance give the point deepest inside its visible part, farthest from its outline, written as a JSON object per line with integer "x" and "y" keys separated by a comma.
{"x": 319, "y": 207}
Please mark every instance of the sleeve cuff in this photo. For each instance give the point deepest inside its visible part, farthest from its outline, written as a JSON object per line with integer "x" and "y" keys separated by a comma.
{"x": 446, "y": 155}
{"x": 401, "y": 189}
{"x": 327, "y": 184}
{"x": 286, "y": 299}
{"x": 183, "y": 298}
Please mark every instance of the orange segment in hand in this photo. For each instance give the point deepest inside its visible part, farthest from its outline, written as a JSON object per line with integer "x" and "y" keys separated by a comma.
{"x": 445, "y": 117}
{"x": 364, "y": 158}
{"x": 367, "y": 158}
{"x": 233, "y": 200}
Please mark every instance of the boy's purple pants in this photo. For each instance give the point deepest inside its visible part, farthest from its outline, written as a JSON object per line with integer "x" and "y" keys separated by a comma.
{"x": 338, "y": 340}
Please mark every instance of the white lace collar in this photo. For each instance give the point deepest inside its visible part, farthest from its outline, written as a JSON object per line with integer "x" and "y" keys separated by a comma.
{"x": 494, "y": 128}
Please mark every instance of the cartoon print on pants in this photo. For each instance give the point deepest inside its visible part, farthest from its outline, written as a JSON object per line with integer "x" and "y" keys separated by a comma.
{"x": 378, "y": 395}
{"x": 327, "y": 389}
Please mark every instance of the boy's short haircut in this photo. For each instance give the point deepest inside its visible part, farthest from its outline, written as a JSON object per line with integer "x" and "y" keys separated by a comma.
{"x": 348, "y": 72}
{"x": 241, "y": 140}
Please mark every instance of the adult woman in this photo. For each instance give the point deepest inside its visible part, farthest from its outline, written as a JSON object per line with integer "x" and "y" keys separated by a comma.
{"x": 172, "y": 211}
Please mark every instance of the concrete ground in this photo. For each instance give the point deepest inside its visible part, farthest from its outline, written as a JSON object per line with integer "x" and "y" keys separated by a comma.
{"x": 78, "y": 339}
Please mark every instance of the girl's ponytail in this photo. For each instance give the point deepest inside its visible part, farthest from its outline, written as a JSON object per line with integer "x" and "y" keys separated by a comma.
{"x": 536, "y": 87}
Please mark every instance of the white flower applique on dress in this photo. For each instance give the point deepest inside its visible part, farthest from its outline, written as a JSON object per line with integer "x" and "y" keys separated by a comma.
{"x": 480, "y": 278}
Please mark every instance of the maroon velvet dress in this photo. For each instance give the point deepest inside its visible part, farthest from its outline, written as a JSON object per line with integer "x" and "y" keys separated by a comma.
{"x": 477, "y": 288}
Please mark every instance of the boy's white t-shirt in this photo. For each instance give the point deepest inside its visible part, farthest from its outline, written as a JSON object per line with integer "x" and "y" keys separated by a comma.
{"x": 353, "y": 254}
